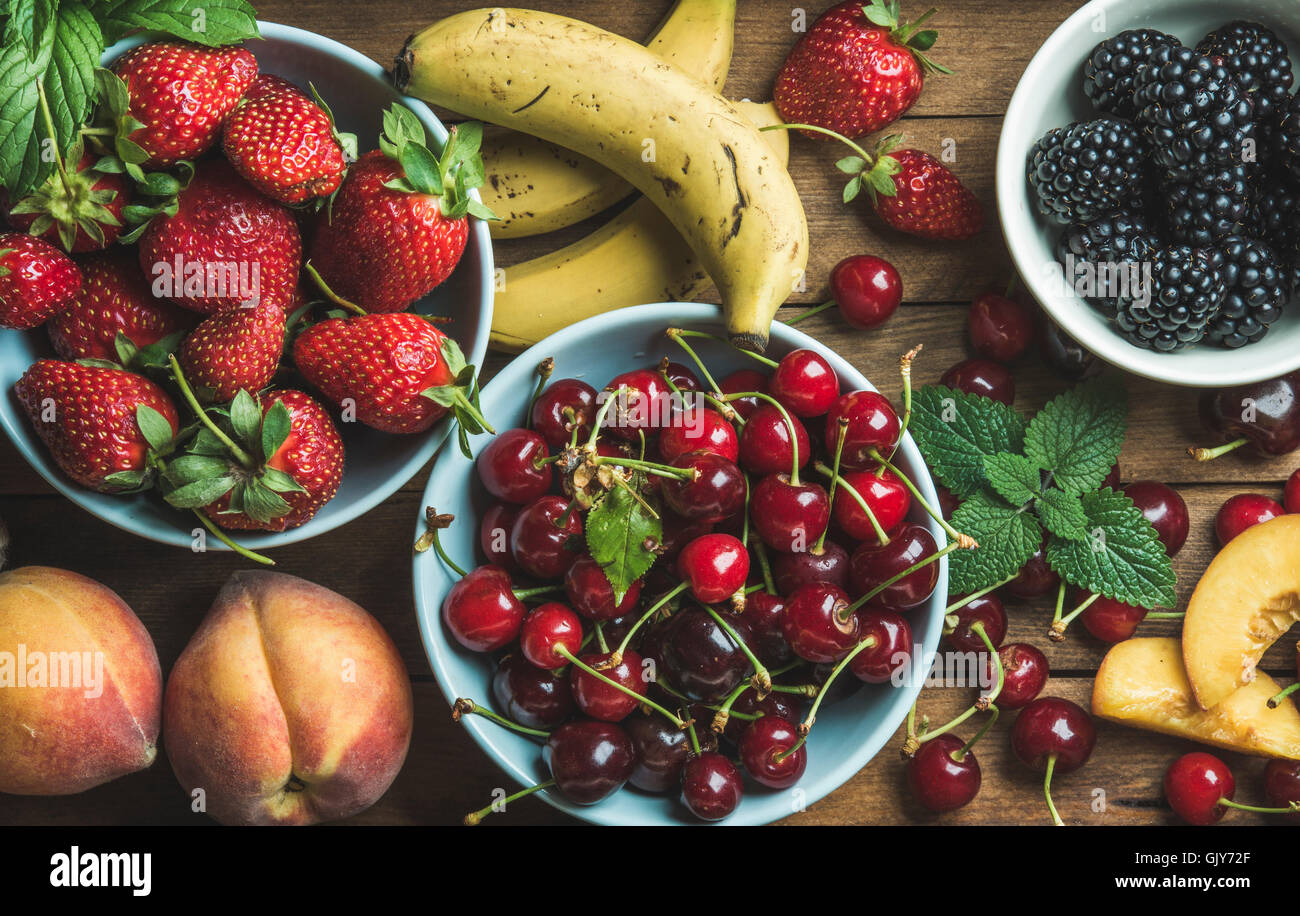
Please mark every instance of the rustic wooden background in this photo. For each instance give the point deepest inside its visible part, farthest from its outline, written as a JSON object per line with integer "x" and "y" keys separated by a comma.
{"x": 988, "y": 45}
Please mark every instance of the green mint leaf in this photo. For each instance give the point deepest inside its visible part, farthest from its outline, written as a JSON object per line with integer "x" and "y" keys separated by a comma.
{"x": 1007, "y": 538}
{"x": 620, "y": 535}
{"x": 200, "y": 493}
{"x": 1121, "y": 557}
{"x": 207, "y": 22}
{"x": 956, "y": 431}
{"x": 246, "y": 420}
{"x": 1077, "y": 435}
{"x": 275, "y": 429}
{"x": 1015, "y": 477}
{"x": 154, "y": 426}
{"x": 70, "y": 79}
{"x": 25, "y": 161}
{"x": 1062, "y": 514}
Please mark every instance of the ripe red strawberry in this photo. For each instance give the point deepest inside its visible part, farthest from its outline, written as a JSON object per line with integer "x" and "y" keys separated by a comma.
{"x": 393, "y": 233}
{"x": 234, "y": 350}
{"x": 928, "y": 200}
{"x": 36, "y": 280}
{"x": 858, "y": 69}
{"x": 83, "y": 215}
{"x": 225, "y": 245}
{"x": 102, "y": 426}
{"x": 401, "y": 373}
{"x": 285, "y": 144}
{"x": 114, "y": 299}
{"x": 181, "y": 93}
{"x": 257, "y": 490}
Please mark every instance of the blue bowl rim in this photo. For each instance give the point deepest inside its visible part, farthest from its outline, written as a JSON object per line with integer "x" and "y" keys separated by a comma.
{"x": 429, "y": 617}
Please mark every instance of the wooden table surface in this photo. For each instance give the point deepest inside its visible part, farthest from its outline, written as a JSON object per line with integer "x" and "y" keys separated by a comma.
{"x": 988, "y": 45}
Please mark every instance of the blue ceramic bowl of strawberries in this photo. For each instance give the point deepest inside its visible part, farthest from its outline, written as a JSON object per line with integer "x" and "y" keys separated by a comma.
{"x": 847, "y": 734}
{"x": 376, "y": 464}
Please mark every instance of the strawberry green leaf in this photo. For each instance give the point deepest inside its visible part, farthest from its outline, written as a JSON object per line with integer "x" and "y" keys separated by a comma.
{"x": 620, "y": 534}
{"x": 200, "y": 493}
{"x": 206, "y": 22}
{"x": 263, "y": 505}
{"x": 275, "y": 429}
{"x": 190, "y": 468}
{"x": 123, "y": 481}
{"x": 852, "y": 189}
{"x": 851, "y": 165}
{"x": 279, "y": 481}
{"x": 246, "y": 420}
{"x": 155, "y": 428}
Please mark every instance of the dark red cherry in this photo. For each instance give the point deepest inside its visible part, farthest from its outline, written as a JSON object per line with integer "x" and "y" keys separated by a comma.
{"x": 662, "y": 749}
{"x": 547, "y": 630}
{"x": 481, "y": 610}
{"x": 1265, "y": 414}
{"x": 591, "y": 594}
{"x": 986, "y": 609}
{"x": 1025, "y": 672}
{"x": 948, "y": 503}
{"x": 589, "y": 760}
{"x": 645, "y": 405}
{"x": 765, "y": 445}
{"x": 872, "y": 565}
{"x": 1000, "y": 328}
{"x": 1110, "y": 620}
{"x": 546, "y": 538}
{"x": 740, "y": 381}
{"x": 683, "y": 377}
{"x": 1194, "y": 785}
{"x": 791, "y": 570}
{"x": 888, "y": 658}
{"x": 1164, "y": 509}
{"x": 867, "y": 290}
{"x": 1051, "y": 726}
{"x": 599, "y": 700}
{"x": 818, "y": 625}
{"x": 494, "y": 534}
{"x": 839, "y": 689}
{"x": 782, "y": 705}
{"x": 1035, "y": 579}
{"x": 698, "y": 428}
{"x": 885, "y": 495}
{"x": 789, "y": 517}
{"x": 941, "y": 777}
{"x": 1282, "y": 785}
{"x": 805, "y": 383}
{"x": 1245, "y": 510}
{"x": 761, "y": 749}
{"x": 566, "y": 405}
{"x": 981, "y": 377}
{"x": 701, "y": 659}
{"x": 715, "y": 493}
{"x": 764, "y": 614}
{"x": 1112, "y": 478}
{"x": 1064, "y": 355}
{"x": 715, "y": 565}
{"x": 532, "y": 696}
{"x": 872, "y": 427}
{"x": 711, "y": 786}
{"x": 511, "y": 467}
{"x": 678, "y": 532}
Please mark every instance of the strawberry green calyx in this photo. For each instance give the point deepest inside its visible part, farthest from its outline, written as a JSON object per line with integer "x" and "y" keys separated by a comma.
{"x": 70, "y": 201}
{"x": 888, "y": 15}
{"x": 158, "y": 433}
{"x": 450, "y": 176}
{"x": 871, "y": 172}
{"x": 461, "y": 397}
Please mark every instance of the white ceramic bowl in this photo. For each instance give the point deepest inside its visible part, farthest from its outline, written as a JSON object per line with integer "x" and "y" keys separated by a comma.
{"x": 848, "y": 733}
{"x": 1050, "y": 94}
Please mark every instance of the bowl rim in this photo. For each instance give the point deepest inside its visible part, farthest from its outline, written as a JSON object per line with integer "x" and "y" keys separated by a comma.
{"x": 121, "y": 516}
{"x": 1012, "y": 190}
{"x": 437, "y": 647}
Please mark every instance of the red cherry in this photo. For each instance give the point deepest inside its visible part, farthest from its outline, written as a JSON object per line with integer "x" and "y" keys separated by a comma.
{"x": 761, "y": 747}
{"x": 1110, "y": 620}
{"x": 1194, "y": 785}
{"x": 941, "y": 777}
{"x": 644, "y": 407}
{"x": 1024, "y": 675}
{"x": 789, "y": 517}
{"x": 883, "y": 492}
{"x": 791, "y": 570}
{"x": 1053, "y": 727}
{"x": 715, "y": 566}
{"x": 948, "y": 503}
{"x": 662, "y": 749}
{"x": 494, "y": 534}
{"x": 981, "y": 377}
{"x": 565, "y": 405}
{"x": 678, "y": 532}
{"x": 872, "y": 565}
{"x": 764, "y": 614}
{"x": 765, "y": 442}
{"x": 1282, "y": 786}
{"x": 1112, "y": 478}
{"x": 711, "y": 786}
{"x": 1000, "y": 328}
{"x": 511, "y": 469}
{"x": 715, "y": 493}
{"x": 589, "y": 760}
{"x": 531, "y": 696}
{"x": 698, "y": 429}
{"x": 1291, "y": 499}
{"x": 547, "y": 629}
{"x": 817, "y": 624}
{"x": 1035, "y": 579}
{"x": 740, "y": 381}
{"x": 1245, "y": 510}
{"x": 872, "y": 426}
{"x": 592, "y": 596}
{"x": 867, "y": 290}
{"x": 986, "y": 609}
{"x": 805, "y": 383}
{"x": 1164, "y": 509}
{"x": 540, "y": 537}
{"x": 892, "y": 651}
{"x": 601, "y": 701}
{"x": 481, "y": 610}
{"x": 683, "y": 378}
{"x": 781, "y": 705}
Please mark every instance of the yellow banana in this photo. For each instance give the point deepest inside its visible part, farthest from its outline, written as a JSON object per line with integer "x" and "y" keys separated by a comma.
{"x": 636, "y": 257}
{"x": 536, "y": 186}
{"x": 686, "y": 148}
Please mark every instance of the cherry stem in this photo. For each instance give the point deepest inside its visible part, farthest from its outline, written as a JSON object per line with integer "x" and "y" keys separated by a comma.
{"x": 811, "y": 719}
{"x": 475, "y": 817}
{"x": 952, "y": 545}
{"x": 431, "y": 532}
{"x": 1209, "y": 454}
{"x": 762, "y": 679}
{"x": 239, "y": 454}
{"x": 1275, "y": 701}
{"x": 1289, "y": 809}
{"x": 1057, "y": 632}
{"x": 765, "y": 567}
{"x": 1047, "y": 791}
{"x": 601, "y": 414}
{"x": 965, "y": 541}
{"x": 815, "y": 310}
{"x": 984, "y": 730}
{"x": 544, "y": 370}
{"x": 789, "y": 425}
{"x": 858, "y": 498}
{"x": 599, "y": 630}
{"x": 464, "y": 706}
{"x": 329, "y": 293}
{"x": 627, "y": 638}
{"x": 980, "y": 705}
{"x": 231, "y": 542}
{"x": 650, "y": 467}
{"x": 1166, "y": 615}
{"x": 524, "y": 593}
{"x": 744, "y": 520}
{"x": 695, "y": 739}
{"x": 820, "y": 547}
{"x": 723, "y": 713}
{"x": 962, "y": 602}
{"x": 905, "y": 370}
{"x": 563, "y": 652}
{"x": 677, "y": 334}
{"x": 1060, "y": 603}
{"x": 757, "y": 357}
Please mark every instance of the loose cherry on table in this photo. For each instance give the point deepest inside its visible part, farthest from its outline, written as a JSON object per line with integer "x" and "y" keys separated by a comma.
{"x": 711, "y": 786}
{"x": 788, "y": 514}
{"x": 1110, "y": 620}
{"x": 941, "y": 777}
{"x": 1024, "y": 675}
{"x": 715, "y": 492}
{"x": 987, "y": 610}
{"x": 981, "y": 377}
{"x": 1245, "y": 510}
{"x": 714, "y": 566}
{"x": 1112, "y": 477}
{"x": 805, "y": 383}
{"x": 601, "y": 700}
{"x": 1064, "y": 355}
{"x": 1196, "y": 785}
{"x": 1282, "y": 785}
{"x": 1000, "y": 328}
{"x": 885, "y": 495}
{"x": 765, "y": 445}
{"x": 1053, "y": 735}
{"x": 513, "y": 466}
{"x": 765, "y": 752}
{"x": 700, "y": 658}
{"x": 589, "y": 760}
{"x": 494, "y": 534}
{"x": 481, "y": 610}
{"x": 662, "y": 749}
{"x": 534, "y": 697}
{"x": 698, "y": 428}
{"x": 873, "y": 427}
{"x": 1264, "y": 416}
{"x": 588, "y": 589}
{"x": 873, "y": 564}
{"x": 818, "y": 625}
{"x": 1035, "y": 578}
{"x": 539, "y": 540}
{"x": 740, "y": 381}
{"x": 867, "y": 289}
{"x": 1291, "y": 498}
{"x": 1164, "y": 509}
{"x": 791, "y": 570}
{"x": 550, "y": 634}
{"x": 565, "y": 407}
{"x": 891, "y": 649}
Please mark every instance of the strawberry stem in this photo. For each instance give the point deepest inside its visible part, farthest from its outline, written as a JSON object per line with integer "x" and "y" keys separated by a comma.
{"x": 238, "y": 453}
{"x": 230, "y": 542}
{"x": 329, "y": 293}
{"x": 54, "y": 138}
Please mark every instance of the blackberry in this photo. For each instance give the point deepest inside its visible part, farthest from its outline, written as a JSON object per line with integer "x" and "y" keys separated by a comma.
{"x": 1213, "y": 207}
{"x": 1109, "y": 70}
{"x": 1173, "y": 307}
{"x": 1195, "y": 116}
{"x": 1277, "y": 213}
{"x": 1257, "y": 290}
{"x": 1286, "y": 143}
{"x": 1087, "y": 169}
{"x": 1260, "y": 63}
{"x": 1097, "y": 256}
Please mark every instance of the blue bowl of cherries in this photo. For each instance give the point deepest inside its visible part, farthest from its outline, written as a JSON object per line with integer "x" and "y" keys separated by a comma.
{"x": 680, "y": 582}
